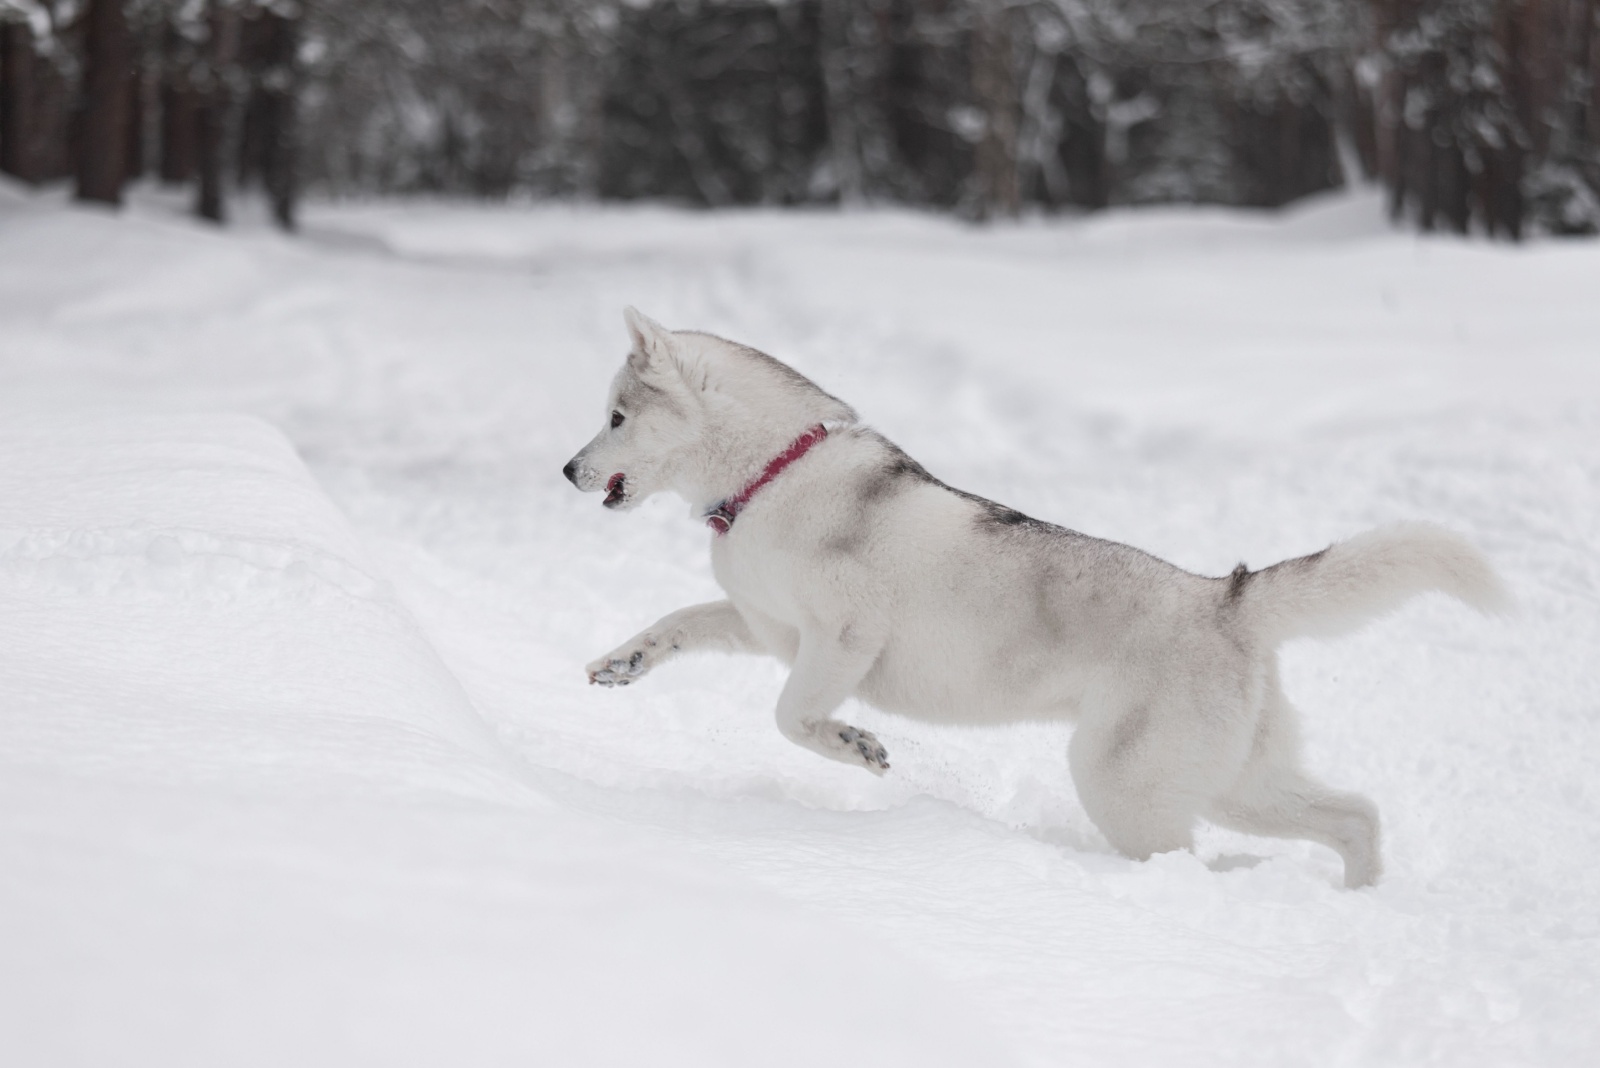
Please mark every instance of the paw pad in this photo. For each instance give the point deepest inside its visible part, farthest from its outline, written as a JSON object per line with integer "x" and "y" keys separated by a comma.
{"x": 617, "y": 671}
{"x": 867, "y": 746}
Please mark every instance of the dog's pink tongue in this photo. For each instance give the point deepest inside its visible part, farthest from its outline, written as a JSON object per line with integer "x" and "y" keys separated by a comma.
{"x": 614, "y": 488}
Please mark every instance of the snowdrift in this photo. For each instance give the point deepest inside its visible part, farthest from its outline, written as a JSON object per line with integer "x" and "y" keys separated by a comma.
{"x": 248, "y": 816}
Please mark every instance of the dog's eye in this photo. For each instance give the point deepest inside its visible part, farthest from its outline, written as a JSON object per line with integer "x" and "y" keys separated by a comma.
{"x": 616, "y": 420}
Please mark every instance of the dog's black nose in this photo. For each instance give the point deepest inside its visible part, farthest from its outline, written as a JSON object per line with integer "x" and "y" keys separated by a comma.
{"x": 571, "y": 473}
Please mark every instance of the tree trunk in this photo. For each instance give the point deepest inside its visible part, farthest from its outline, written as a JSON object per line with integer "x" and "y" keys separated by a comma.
{"x": 178, "y": 129}
{"x": 102, "y": 146}
{"x": 212, "y": 115}
{"x": 16, "y": 101}
{"x": 994, "y": 87}
{"x": 856, "y": 47}
{"x": 249, "y": 164}
{"x": 208, "y": 160}
{"x": 1583, "y": 73}
{"x": 278, "y": 83}
{"x": 1592, "y": 76}
{"x": 176, "y": 104}
{"x": 134, "y": 157}
{"x": 841, "y": 56}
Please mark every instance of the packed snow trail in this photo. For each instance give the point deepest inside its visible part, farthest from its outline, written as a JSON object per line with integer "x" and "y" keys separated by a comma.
{"x": 195, "y": 853}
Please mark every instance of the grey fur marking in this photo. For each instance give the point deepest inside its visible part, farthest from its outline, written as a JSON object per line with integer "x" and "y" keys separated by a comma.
{"x": 1126, "y": 734}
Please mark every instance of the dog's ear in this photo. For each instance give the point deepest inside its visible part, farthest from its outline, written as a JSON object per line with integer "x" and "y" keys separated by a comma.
{"x": 652, "y": 342}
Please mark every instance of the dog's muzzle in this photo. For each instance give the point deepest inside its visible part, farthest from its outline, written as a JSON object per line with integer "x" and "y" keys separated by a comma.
{"x": 583, "y": 477}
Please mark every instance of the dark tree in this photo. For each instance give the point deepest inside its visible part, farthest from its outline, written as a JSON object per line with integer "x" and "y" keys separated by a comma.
{"x": 855, "y": 53}
{"x": 214, "y": 99}
{"x": 277, "y": 89}
{"x": 748, "y": 128}
{"x": 994, "y": 92}
{"x": 1451, "y": 136}
{"x": 179, "y": 103}
{"x": 935, "y": 122}
{"x": 102, "y": 144}
{"x": 17, "y": 99}
{"x": 267, "y": 46}
{"x": 1563, "y": 185}
{"x": 1483, "y": 113}
{"x": 1476, "y": 115}
{"x": 138, "y": 106}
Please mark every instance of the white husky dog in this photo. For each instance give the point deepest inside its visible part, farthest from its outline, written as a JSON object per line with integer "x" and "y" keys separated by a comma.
{"x": 841, "y": 556}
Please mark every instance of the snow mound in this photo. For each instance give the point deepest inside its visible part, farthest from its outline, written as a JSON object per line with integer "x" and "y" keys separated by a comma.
{"x": 192, "y": 561}
{"x": 248, "y": 816}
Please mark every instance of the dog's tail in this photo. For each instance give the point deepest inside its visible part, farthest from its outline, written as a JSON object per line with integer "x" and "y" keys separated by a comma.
{"x": 1335, "y": 591}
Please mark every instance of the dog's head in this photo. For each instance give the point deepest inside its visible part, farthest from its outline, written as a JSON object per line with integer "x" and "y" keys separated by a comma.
{"x": 652, "y": 417}
{"x": 693, "y": 413}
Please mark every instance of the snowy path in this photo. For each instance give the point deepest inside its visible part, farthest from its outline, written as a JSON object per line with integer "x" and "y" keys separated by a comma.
{"x": 439, "y": 839}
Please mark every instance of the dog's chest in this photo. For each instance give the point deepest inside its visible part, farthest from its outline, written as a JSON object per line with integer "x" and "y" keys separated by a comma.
{"x": 756, "y": 575}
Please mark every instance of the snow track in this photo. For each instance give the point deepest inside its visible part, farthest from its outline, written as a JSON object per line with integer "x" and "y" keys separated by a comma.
{"x": 301, "y": 767}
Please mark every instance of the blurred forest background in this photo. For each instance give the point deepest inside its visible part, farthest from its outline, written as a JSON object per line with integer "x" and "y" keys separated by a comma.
{"x": 1476, "y": 115}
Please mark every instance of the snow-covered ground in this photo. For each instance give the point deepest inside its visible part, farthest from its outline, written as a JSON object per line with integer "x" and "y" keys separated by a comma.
{"x": 297, "y": 760}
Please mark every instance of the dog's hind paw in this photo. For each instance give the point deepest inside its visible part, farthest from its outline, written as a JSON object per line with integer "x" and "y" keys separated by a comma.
{"x": 619, "y": 668}
{"x": 867, "y": 747}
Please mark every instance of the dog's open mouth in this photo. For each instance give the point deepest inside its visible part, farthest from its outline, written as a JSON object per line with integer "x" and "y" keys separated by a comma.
{"x": 616, "y": 490}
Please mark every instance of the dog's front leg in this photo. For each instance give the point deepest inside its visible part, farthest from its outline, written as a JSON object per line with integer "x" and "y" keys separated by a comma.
{"x": 825, "y": 673}
{"x": 717, "y": 625}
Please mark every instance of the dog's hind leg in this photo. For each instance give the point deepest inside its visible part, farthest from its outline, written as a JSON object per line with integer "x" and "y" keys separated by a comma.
{"x": 714, "y": 626}
{"x": 1146, "y": 766}
{"x": 1286, "y": 803}
{"x": 1273, "y": 797}
{"x": 1141, "y": 779}
{"x": 826, "y": 671}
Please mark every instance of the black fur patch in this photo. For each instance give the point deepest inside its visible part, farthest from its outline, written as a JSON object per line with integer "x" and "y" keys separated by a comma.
{"x": 1000, "y": 517}
{"x": 901, "y": 468}
{"x": 899, "y": 472}
{"x": 1003, "y": 516}
{"x": 1236, "y": 582}
{"x": 900, "y": 465}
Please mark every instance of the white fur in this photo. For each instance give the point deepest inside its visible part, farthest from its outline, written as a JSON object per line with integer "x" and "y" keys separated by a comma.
{"x": 871, "y": 578}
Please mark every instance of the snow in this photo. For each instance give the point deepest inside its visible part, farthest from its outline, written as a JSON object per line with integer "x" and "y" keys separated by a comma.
{"x": 299, "y": 764}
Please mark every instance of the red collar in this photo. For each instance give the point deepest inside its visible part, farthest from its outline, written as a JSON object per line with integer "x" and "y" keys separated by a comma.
{"x": 720, "y": 518}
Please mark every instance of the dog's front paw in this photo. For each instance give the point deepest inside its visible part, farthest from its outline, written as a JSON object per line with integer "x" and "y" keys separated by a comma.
{"x": 867, "y": 747}
{"x": 619, "y": 668}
